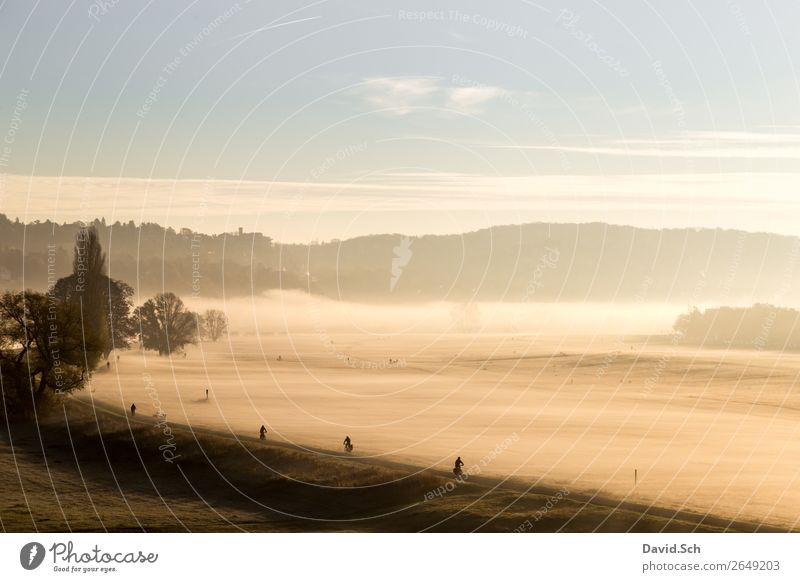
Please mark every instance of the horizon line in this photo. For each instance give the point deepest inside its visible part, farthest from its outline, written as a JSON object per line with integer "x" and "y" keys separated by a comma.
{"x": 314, "y": 242}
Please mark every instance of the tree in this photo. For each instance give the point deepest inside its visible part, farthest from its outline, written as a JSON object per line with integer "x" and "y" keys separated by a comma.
{"x": 165, "y": 325}
{"x": 88, "y": 257}
{"x": 43, "y": 350}
{"x": 214, "y": 324}
{"x": 85, "y": 288}
{"x": 121, "y": 326}
{"x": 761, "y": 326}
{"x": 106, "y": 303}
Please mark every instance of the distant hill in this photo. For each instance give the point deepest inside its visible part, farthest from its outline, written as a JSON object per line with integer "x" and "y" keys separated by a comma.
{"x": 532, "y": 262}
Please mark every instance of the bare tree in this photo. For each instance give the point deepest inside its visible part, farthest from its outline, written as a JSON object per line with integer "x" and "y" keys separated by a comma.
{"x": 214, "y": 324}
{"x": 165, "y": 325}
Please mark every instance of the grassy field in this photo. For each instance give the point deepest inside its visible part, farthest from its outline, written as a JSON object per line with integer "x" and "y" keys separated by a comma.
{"x": 88, "y": 469}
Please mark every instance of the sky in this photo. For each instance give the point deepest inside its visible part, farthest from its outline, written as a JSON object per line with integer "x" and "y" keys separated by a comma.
{"x": 333, "y": 119}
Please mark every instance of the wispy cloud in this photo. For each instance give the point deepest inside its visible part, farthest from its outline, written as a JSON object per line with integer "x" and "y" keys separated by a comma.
{"x": 401, "y": 95}
{"x": 410, "y": 202}
{"x": 273, "y": 26}
{"x": 694, "y": 144}
{"x": 470, "y": 100}
{"x": 711, "y": 138}
{"x": 64, "y": 198}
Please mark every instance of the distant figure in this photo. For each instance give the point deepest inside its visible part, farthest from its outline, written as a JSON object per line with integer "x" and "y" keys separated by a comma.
{"x": 108, "y": 365}
{"x": 118, "y": 358}
{"x": 457, "y": 468}
{"x": 262, "y": 433}
{"x": 133, "y": 409}
{"x": 206, "y": 393}
{"x": 348, "y": 444}
{"x": 280, "y": 359}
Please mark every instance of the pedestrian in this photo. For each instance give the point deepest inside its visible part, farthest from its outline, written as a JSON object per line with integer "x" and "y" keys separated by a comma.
{"x": 133, "y": 409}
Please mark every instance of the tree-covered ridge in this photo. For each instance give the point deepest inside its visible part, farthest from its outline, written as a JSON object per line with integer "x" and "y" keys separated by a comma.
{"x": 761, "y": 326}
{"x": 595, "y": 262}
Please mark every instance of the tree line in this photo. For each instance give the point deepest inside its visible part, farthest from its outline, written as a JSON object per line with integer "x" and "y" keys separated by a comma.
{"x": 50, "y": 342}
{"x": 761, "y": 326}
{"x": 493, "y": 264}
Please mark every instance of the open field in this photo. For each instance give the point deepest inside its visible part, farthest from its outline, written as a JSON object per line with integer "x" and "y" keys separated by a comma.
{"x": 89, "y": 470}
{"x": 708, "y": 432}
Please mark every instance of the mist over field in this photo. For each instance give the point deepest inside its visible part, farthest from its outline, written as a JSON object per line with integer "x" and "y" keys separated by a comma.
{"x": 299, "y": 312}
{"x": 657, "y": 423}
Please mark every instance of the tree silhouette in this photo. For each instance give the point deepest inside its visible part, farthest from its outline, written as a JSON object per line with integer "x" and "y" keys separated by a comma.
{"x": 214, "y": 324}
{"x": 43, "y": 350}
{"x": 85, "y": 289}
{"x": 105, "y": 303}
{"x": 165, "y": 325}
{"x": 121, "y": 326}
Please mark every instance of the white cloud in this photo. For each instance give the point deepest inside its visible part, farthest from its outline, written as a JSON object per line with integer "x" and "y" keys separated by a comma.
{"x": 399, "y": 95}
{"x": 470, "y": 100}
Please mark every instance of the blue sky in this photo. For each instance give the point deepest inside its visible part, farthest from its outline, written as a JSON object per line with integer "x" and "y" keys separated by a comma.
{"x": 332, "y": 119}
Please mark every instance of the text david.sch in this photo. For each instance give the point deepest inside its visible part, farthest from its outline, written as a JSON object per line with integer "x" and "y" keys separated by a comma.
{"x": 671, "y": 549}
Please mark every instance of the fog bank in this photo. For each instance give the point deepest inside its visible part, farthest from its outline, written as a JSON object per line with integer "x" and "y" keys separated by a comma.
{"x": 297, "y": 312}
